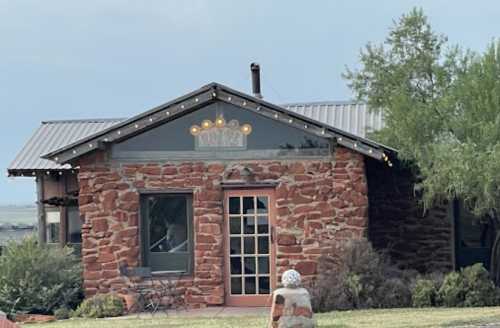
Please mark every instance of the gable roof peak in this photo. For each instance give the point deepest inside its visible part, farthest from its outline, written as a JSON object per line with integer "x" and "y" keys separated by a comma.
{"x": 207, "y": 94}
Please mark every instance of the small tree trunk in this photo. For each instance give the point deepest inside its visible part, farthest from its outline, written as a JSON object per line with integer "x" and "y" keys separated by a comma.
{"x": 495, "y": 249}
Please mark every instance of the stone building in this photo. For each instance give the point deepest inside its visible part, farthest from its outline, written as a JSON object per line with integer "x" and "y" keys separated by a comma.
{"x": 223, "y": 191}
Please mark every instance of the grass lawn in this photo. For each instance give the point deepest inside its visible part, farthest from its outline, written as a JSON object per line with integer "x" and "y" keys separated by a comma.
{"x": 356, "y": 319}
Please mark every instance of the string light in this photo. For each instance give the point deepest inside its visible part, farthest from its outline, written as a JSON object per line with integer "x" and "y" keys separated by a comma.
{"x": 275, "y": 115}
{"x": 290, "y": 120}
{"x": 150, "y": 119}
{"x": 214, "y": 94}
{"x": 74, "y": 151}
{"x": 195, "y": 130}
{"x": 168, "y": 113}
{"x": 246, "y": 129}
{"x": 305, "y": 126}
{"x": 339, "y": 138}
{"x": 258, "y": 108}
{"x": 182, "y": 106}
{"x": 355, "y": 145}
{"x": 220, "y": 122}
{"x": 136, "y": 126}
{"x": 106, "y": 139}
{"x": 229, "y": 98}
{"x": 119, "y": 132}
{"x": 206, "y": 124}
{"x": 90, "y": 145}
{"x": 370, "y": 150}
{"x": 244, "y": 103}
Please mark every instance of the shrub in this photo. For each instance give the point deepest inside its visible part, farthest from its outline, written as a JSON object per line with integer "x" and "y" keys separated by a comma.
{"x": 424, "y": 293}
{"x": 480, "y": 289}
{"x": 452, "y": 291}
{"x": 38, "y": 279}
{"x": 101, "y": 306}
{"x": 62, "y": 313}
{"x": 360, "y": 277}
{"x": 471, "y": 286}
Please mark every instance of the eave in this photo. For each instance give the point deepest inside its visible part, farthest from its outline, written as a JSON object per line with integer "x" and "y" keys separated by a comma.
{"x": 202, "y": 97}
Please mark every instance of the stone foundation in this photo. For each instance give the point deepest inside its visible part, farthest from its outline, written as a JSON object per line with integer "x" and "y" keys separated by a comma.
{"x": 320, "y": 204}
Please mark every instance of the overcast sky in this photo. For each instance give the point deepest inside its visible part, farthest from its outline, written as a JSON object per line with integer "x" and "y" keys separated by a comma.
{"x": 117, "y": 58}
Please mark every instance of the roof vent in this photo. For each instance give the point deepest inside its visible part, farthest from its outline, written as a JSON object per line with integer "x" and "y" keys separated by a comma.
{"x": 255, "y": 69}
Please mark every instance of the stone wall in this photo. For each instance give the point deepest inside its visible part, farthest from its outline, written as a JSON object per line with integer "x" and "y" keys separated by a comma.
{"x": 415, "y": 239}
{"x": 319, "y": 204}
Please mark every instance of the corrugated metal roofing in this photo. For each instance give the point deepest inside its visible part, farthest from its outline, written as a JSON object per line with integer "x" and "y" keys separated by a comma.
{"x": 52, "y": 135}
{"x": 351, "y": 117}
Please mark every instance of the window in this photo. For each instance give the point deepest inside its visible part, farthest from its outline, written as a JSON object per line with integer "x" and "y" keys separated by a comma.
{"x": 166, "y": 223}
{"x": 74, "y": 230}
{"x": 267, "y": 138}
{"x": 52, "y": 224}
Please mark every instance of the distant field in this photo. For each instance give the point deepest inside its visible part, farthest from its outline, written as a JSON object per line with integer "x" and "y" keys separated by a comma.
{"x": 18, "y": 214}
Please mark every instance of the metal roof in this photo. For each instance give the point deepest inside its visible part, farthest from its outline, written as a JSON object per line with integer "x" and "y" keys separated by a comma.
{"x": 351, "y": 117}
{"x": 52, "y": 135}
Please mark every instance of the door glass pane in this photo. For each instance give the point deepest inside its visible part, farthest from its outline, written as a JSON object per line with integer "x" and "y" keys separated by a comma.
{"x": 250, "y": 265}
{"x": 235, "y": 225}
{"x": 248, "y": 205}
{"x": 262, "y": 225}
{"x": 250, "y": 285}
{"x": 235, "y": 245}
{"x": 236, "y": 285}
{"x": 262, "y": 204}
{"x": 249, "y": 243}
{"x": 234, "y": 205}
{"x": 263, "y": 265}
{"x": 264, "y": 245}
{"x": 264, "y": 285}
{"x": 249, "y": 225}
{"x": 236, "y": 265}
{"x": 168, "y": 230}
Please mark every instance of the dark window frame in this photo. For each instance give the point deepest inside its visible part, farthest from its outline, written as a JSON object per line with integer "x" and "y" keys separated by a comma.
{"x": 144, "y": 230}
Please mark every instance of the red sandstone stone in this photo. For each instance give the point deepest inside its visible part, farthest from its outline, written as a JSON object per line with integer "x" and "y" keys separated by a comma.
{"x": 306, "y": 267}
{"x": 286, "y": 239}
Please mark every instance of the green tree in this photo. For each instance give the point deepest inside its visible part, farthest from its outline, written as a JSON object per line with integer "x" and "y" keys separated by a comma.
{"x": 442, "y": 112}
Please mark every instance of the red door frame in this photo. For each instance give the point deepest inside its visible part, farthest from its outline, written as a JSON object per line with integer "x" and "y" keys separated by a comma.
{"x": 250, "y": 300}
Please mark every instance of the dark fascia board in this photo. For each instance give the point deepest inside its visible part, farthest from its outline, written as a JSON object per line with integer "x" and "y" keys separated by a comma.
{"x": 201, "y": 97}
{"x": 37, "y": 172}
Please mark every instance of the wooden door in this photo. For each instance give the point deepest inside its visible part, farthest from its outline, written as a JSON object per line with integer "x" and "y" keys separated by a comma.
{"x": 250, "y": 252}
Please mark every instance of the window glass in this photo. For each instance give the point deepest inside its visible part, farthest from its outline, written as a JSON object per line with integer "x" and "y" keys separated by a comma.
{"x": 167, "y": 226}
{"x": 74, "y": 231}
{"x": 52, "y": 224}
{"x": 267, "y": 136}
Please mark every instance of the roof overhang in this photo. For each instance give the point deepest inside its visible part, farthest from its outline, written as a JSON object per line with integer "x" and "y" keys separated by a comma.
{"x": 202, "y": 97}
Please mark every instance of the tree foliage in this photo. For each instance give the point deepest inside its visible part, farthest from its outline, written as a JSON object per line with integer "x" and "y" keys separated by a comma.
{"x": 441, "y": 107}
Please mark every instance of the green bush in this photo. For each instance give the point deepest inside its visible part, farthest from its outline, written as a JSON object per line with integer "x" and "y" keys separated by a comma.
{"x": 471, "y": 286}
{"x": 358, "y": 278}
{"x": 101, "y": 306}
{"x": 62, "y": 313}
{"x": 480, "y": 289}
{"x": 38, "y": 279}
{"x": 452, "y": 291}
{"x": 424, "y": 293}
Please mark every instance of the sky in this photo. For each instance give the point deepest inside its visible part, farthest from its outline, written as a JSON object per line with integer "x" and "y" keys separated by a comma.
{"x": 64, "y": 59}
